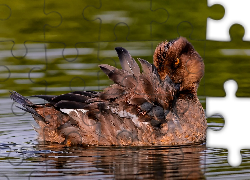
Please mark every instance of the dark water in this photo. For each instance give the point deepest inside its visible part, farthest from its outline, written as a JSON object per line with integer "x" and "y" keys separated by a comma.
{"x": 54, "y": 47}
{"x": 106, "y": 163}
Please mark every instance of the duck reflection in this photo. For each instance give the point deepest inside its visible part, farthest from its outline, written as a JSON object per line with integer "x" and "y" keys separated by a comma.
{"x": 182, "y": 162}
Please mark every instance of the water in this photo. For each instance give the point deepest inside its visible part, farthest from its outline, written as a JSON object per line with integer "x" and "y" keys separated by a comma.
{"x": 58, "y": 52}
{"x": 22, "y": 156}
{"x": 105, "y": 163}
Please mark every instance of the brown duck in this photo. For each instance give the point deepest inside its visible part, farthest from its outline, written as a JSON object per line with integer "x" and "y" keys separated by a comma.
{"x": 158, "y": 106}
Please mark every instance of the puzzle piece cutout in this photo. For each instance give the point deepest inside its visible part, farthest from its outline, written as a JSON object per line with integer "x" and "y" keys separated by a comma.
{"x": 227, "y": 60}
{"x": 233, "y": 136}
{"x": 235, "y": 12}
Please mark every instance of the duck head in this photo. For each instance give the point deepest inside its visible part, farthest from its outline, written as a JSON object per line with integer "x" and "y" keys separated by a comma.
{"x": 179, "y": 60}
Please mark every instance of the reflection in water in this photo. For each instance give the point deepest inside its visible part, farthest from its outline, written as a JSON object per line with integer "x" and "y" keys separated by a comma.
{"x": 125, "y": 162}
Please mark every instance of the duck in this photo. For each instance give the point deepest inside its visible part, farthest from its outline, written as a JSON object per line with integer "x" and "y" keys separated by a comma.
{"x": 156, "y": 104}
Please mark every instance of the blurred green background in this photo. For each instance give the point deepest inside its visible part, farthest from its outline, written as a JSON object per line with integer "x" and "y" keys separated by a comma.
{"x": 52, "y": 47}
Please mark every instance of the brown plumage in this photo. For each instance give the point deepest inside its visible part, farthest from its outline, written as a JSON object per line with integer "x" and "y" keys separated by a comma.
{"x": 158, "y": 106}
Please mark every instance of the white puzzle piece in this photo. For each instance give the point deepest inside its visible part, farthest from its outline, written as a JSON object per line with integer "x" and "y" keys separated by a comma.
{"x": 236, "y": 12}
{"x": 235, "y": 134}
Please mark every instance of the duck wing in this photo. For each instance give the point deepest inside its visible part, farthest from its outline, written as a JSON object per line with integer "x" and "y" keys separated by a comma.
{"x": 135, "y": 94}
{"x": 87, "y": 117}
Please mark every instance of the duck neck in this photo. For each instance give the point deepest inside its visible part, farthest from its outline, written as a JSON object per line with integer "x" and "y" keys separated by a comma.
{"x": 186, "y": 94}
{"x": 189, "y": 92}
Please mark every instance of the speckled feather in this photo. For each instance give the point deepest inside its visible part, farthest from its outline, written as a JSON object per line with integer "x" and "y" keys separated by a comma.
{"x": 158, "y": 106}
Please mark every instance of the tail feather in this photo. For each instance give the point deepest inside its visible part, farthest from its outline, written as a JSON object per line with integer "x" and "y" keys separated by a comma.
{"x": 26, "y": 104}
{"x": 20, "y": 99}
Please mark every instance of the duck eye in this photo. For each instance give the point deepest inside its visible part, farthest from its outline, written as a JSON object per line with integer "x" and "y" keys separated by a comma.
{"x": 177, "y": 61}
